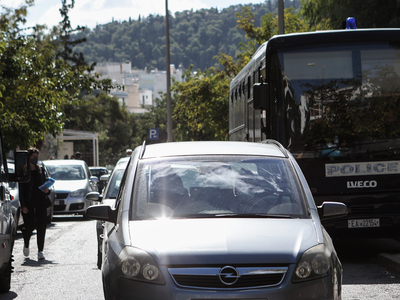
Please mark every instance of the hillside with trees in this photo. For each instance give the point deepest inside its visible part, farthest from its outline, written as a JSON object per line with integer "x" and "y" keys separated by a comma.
{"x": 195, "y": 37}
{"x": 47, "y": 81}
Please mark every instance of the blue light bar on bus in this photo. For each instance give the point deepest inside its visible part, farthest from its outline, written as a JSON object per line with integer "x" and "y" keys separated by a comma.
{"x": 351, "y": 23}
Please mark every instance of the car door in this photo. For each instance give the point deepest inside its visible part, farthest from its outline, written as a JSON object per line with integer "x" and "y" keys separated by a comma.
{"x": 112, "y": 240}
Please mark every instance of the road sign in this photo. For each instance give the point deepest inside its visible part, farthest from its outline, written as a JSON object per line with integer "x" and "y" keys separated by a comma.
{"x": 153, "y": 134}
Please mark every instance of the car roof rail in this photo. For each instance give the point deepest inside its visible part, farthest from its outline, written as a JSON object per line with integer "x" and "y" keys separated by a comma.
{"x": 276, "y": 143}
{"x": 142, "y": 150}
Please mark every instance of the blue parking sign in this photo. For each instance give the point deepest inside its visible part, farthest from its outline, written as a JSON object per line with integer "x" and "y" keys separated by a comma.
{"x": 153, "y": 134}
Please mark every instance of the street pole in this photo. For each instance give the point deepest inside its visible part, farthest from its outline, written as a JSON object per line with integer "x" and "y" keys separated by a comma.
{"x": 281, "y": 20}
{"x": 169, "y": 105}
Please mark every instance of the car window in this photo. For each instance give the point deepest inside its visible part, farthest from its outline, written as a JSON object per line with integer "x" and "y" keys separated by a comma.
{"x": 211, "y": 186}
{"x": 114, "y": 183}
{"x": 98, "y": 172}
{"x": 64, "y": 172}
{"x": 122, "y": 192}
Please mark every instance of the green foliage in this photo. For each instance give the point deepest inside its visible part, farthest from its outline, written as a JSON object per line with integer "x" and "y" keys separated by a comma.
{"x": 201, "y": 105}
{"x": 118, "y": 129}
{"x": 330, "y": 14}
{"x": 269, "y": 27}
{"x": 195, "y": 38}
{"x": 35, "y": 84}
{"x": 31, "y": 85}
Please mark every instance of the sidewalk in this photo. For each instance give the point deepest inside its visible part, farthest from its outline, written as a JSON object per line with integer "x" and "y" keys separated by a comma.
{"x": 390, "y": 261}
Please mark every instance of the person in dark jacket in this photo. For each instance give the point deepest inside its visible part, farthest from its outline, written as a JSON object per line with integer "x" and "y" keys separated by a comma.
{"x": 34, "y": 205}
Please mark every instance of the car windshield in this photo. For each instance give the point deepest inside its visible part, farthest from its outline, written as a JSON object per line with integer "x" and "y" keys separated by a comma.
{"x": 216, "y": 186}
{"x": 70, "y": 172}
{"x": 98, "y": 172}
{"x": 113, "y": 185}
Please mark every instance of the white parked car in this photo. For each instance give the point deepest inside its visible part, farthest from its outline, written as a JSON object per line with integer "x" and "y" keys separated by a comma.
{"x": 73, "y": 181}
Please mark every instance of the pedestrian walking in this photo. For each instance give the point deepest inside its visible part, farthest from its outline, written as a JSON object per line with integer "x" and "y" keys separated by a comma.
{"x": 34, "y": 203}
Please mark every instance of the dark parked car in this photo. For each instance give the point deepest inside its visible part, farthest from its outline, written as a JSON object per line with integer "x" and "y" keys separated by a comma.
{"x": 107, "y": 197}
{"x": 98, "y": 172}
{"x": 217, "y": 220}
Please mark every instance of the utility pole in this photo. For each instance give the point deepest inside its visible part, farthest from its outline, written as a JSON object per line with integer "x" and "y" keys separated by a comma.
{"x": 281, "y": 20}
{"x": 169, "y": 105}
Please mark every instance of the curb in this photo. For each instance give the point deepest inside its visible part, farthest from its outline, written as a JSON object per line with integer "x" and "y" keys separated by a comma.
{"x": 390, "y": 261}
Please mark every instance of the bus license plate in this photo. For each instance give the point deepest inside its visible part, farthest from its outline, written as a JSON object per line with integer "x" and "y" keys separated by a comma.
{"x": 363, "y": 223}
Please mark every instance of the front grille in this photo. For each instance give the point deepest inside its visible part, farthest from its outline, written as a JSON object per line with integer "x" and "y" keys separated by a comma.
{"x": 77, "y": 206}
{"x": 227, "y": 278}
{"x": 61, "y": 196}
{"x": 59, "y": 207}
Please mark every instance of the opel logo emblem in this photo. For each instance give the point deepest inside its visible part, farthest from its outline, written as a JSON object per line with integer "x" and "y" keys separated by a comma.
{"x": 228, "y": 275}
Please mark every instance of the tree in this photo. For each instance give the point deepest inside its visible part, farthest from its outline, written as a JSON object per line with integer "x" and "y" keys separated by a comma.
{"x": 269, "y": 27}
{"x": 118, "y": 129}
{"x": 201, "y": 106}
{"x": 156, "y": 117}
{"x": 37, "y": 81}
{"x": 331, "y": 14}
{"x": 200, "y": 110}
{"x": 31, "y": 88}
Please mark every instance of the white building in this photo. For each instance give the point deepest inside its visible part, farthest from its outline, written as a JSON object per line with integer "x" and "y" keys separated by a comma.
{"x": 142, "y": 87}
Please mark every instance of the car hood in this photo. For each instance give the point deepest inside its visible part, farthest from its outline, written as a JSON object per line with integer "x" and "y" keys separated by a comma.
{"x": 224, "y": 241}
{"x": 69, "y": 185}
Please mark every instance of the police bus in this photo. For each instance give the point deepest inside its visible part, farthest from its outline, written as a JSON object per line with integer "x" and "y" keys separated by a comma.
{"x": 333, "y": 99}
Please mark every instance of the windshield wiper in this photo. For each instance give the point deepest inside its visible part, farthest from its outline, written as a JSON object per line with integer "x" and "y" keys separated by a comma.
{"x": 274, "y": 216}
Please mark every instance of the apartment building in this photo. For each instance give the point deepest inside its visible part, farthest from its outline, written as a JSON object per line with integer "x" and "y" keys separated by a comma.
{"x": 142, "y": 87}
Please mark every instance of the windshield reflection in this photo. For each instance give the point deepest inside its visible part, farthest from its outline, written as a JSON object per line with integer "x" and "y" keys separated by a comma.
{"x": 216, "y": 186}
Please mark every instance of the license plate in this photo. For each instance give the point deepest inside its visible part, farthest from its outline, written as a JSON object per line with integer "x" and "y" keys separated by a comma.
{"x": 363, "y": 223}
{"x": 58, "y": 202}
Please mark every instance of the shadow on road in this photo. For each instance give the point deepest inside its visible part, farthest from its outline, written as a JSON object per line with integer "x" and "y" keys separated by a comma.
{"x": 36, "y": 263}
{"x": 69, "y": 218}
{"x": 360, "y": 256}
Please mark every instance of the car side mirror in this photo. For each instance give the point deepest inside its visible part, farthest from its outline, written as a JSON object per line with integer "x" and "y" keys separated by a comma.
{"x": 93, "y": 196}
{"x": 101, "y": 212}
{"x": 22, "y": 167}
{"x": 94, "y": 179}
{"x": 332, "y": 210}
{"x": 105, "y": 177}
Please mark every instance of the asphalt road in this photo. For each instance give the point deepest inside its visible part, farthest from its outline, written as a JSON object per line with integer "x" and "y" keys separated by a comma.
{"x": 70, "y": 272}
{"x": 363, "y": 277}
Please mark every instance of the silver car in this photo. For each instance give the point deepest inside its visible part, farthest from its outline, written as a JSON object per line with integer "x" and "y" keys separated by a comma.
{"x": 107, "y": 197}
{"x": 217, "y": 220}
{"x": 73, "y": 181}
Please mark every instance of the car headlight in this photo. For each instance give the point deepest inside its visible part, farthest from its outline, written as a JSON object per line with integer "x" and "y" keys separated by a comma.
{"x": 137, "y": 264}
{"x": 78, "y": 193}
{"x": 314, "y": 263}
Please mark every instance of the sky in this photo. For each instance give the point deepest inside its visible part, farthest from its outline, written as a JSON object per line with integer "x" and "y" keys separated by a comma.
{"x": 90, "y": 13}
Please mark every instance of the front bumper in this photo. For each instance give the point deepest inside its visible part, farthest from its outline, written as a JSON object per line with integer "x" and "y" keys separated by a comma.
{"x": 70, "y": 205}
{"x": 328, "y": 287}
